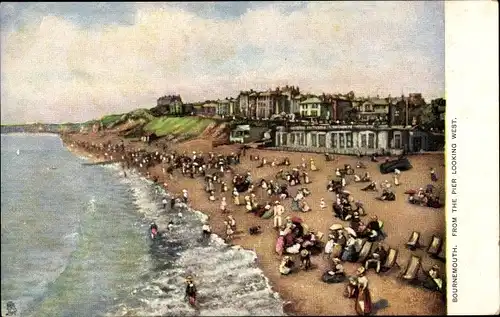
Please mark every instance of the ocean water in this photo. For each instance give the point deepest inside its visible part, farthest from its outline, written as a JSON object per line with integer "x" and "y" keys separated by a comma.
{"x": 75, "y": 242}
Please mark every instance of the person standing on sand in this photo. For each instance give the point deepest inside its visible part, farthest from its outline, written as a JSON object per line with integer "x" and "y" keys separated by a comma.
{"x": 185, "y": 196}
{"x": 232, "y": 222}
{"x": 164, "y": 202}
{"x": 223, "y": 186}
{"x": 313, "y": 165}
{"x": 207, "y": 231}
{"x": 248, "y": 204}
{"x": 396, "y": 177}
{"x": 363, "y": 297}
{"x": 223, "y": 205}
{"x": 329, "y": 247}
{"x": 296, "y": 201}
{"x": 253, "y": 200}
{"x": 303, "y": 164}
{"x": 229, "y": 231}
{"x": 433, "y": 175}
{"x": 278, "y": 211}
{"x": 236, "y": 197}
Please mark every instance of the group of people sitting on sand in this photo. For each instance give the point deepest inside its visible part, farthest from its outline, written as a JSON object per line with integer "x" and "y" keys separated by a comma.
{"x": 293, "y": 177}
{"x": 295, "y": 237}
{"x": 425, "y": 197}
{"x": 386, "y": 195}
{"x": 273, "y": 188}
{"x": 344, "y": 207}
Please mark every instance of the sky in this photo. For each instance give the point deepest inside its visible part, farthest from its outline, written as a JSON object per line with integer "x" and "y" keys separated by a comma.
{"x": 72, "y": 62}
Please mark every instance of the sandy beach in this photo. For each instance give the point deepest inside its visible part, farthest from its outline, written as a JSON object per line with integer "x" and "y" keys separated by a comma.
{"x": 304, "y": 292}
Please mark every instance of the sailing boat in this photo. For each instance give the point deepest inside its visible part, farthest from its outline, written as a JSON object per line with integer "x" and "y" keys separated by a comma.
{"x": 18, "y": 152}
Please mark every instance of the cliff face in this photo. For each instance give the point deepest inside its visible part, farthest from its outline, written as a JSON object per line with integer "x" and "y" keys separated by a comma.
{"x": 136, "y": 124}
{"x": 162, "y": 129}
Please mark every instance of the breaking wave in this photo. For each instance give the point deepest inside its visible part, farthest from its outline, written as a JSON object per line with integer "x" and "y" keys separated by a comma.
{"x": 228, "y": 279}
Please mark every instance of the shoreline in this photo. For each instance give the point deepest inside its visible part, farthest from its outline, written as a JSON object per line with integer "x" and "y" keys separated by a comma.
{"x": 78, "y": 152}
{"x": 302, "y": 293}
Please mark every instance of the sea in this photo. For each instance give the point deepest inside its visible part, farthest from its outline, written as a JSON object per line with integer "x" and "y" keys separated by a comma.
{"x": 75, "y": 242}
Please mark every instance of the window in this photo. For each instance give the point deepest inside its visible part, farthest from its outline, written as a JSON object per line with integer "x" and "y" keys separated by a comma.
{"x": 314, "y": 140}
{"x": 314, "y": 106}
{"x": 371, "y": 140}
{"x": 262, "y": 112}
{"x": 284, "y": 138}
{"x": 322, "y": 140}
{"x": 303, "y": 113}
{"x": 334, "y": 140}
{"x": 348, "y": 140}
{"x": 279, "y": 136}
{"x": 397, "y": 140}
{"x": 342, "y": 140}
{"x": 314, "y": 113}
{"x": 363, "y": 140}
{"x": 292, "y": 138}
{"x": 302, "y": 139}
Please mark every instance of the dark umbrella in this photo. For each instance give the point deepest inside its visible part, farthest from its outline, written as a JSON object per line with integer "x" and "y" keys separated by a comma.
{"x": 297, "y": 219}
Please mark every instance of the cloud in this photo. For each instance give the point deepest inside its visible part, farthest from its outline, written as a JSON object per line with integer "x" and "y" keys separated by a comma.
{"x": 55, "y": 69}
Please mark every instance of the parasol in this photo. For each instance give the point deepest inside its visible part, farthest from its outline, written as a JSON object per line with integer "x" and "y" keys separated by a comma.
{"x": 346, "y": 192}
{"x": 297, "y": 219}
{"x": 336, "y": 226}
{"x": 350, "y": 231}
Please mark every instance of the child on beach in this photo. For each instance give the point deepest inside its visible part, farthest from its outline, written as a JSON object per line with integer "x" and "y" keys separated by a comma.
{"x": 322, "y": 204}
{"x": 207, "y": 231}
{"x": 212, "y": 196}
{"x": 396, "y": 177}
{"x": 232, "y": 222}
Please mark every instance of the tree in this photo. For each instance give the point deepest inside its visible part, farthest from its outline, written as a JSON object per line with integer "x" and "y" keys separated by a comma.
{"x": 427, "y": 114}
{"x": 350, "y": 95}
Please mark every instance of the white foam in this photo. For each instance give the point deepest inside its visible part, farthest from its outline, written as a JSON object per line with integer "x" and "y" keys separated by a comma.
{"x": 229, "y": 282}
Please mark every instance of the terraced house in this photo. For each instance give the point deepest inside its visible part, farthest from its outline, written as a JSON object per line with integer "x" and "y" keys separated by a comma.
{"x": 171, "y": 104}
{"x": 208, "y": 108}
{"x": 314, "y": 108}
{"x": 262, "y": 105}
{"x": 226, "y": 107}
{"x": 374, "y": 109}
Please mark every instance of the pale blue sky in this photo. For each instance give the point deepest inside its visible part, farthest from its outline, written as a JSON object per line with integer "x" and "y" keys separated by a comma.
{"x": 77, "y": 61}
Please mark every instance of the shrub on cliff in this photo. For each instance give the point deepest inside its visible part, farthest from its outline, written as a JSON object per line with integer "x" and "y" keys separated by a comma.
{"x": 135, "y": 115}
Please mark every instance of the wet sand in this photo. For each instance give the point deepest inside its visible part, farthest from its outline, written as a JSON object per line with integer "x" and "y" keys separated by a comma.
{"x": 305, "y": 293}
